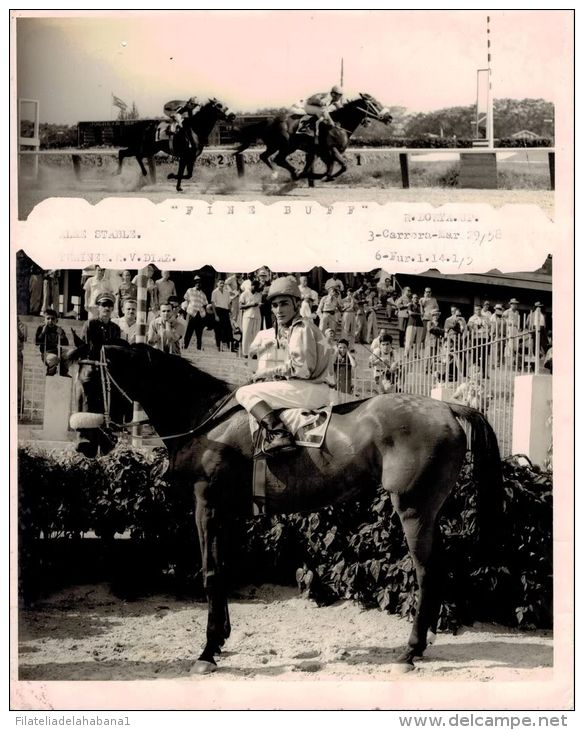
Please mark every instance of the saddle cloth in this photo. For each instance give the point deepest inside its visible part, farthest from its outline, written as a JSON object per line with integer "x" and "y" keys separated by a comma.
{"x": 165, "y": 130}
{"x": 308, "y": 427}
{"x": 304, "y": 126}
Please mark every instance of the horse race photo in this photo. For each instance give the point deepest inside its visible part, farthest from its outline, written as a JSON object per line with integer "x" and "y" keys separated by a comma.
{"x": 361, "y": 118}
{"x": 259, "y": 462}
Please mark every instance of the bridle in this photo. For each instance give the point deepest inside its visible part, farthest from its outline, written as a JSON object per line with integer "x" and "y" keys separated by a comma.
{"x": 371, "y": 110}
{"x": 107, "y": 380}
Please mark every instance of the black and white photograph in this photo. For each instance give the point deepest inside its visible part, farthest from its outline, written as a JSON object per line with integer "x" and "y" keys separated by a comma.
{"x": 285, "y": 288}
{"x": 431, "y": 106}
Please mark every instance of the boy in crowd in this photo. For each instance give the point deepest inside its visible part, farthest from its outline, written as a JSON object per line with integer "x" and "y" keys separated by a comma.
{"x": 50, "y": 339}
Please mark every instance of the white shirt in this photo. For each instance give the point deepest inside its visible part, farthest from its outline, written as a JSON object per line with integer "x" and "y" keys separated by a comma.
{"x": 221, "y": 299}
{"x": 128, "y": 330}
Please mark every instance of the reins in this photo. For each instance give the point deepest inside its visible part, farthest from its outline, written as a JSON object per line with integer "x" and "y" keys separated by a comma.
{"x": 107, "y": 379}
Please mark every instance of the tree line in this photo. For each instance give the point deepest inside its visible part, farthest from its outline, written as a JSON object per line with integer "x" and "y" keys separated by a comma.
{"x": 510, "y": 116}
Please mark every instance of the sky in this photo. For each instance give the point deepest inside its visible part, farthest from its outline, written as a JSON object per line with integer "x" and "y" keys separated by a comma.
{"x": 250, "y": 60}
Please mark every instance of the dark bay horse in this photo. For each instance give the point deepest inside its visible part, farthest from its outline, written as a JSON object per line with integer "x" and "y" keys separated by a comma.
{"x": 414, "y": 446}
{"x": 144, "y": 143}
{"x": 281, "y": 137}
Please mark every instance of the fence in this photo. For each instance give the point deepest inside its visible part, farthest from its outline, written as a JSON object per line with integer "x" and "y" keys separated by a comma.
{"x": 359, "y": 154}
{"x": 476, "y": 368}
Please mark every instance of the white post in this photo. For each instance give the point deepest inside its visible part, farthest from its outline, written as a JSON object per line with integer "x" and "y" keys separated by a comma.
{"x": 141, "y": 317}
{"x": 532, "y": 408}
{"x": 490, "y": 124}
{"x": 57, "y": 408}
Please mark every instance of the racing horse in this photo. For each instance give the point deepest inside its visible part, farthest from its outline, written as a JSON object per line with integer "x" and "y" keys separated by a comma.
{"x": 414, "y": 446}
{"x": 282, "y": 137}
{"x": 144, "y": 143}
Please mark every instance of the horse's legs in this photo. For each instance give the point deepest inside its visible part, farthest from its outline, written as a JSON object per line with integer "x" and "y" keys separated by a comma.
{"x": 420, "y": 530}
{"x": 335, "y": 156}
{"x": 307, "y": 171}
{"x": 218, "y": 625}
{"x": 141, "y": 163}
{"x": 179, "y": 174}
{"x": 190, "y": 166}
{"x": 122, "y": 154}
{"x": 265, "y": 157}
{"x": 242, "y": 147}
{"x": 282, "y": 161}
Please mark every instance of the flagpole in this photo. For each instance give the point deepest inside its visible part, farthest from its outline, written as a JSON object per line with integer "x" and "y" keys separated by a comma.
{"x": 342, "y": 73}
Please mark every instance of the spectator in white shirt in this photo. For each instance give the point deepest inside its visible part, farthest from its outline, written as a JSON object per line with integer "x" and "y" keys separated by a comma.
{"x": 536, "y": 323}
{"x": 166, "y": 287}
{"x": 221, "y": 300}
{"x": 93, "y": 287}
{"x": 196, "y": 308}
{"x": 128, "y": 323}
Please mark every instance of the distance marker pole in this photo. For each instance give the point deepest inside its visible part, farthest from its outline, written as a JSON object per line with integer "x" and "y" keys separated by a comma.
{"x": 141, "y": 317}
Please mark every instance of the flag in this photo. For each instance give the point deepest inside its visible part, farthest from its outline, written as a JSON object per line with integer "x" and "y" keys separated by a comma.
{"x": 116, "y": 101}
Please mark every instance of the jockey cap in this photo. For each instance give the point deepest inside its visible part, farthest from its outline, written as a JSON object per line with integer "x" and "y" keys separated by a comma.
{"x": 284, "y": 287}
{"x": 336, "y": 90}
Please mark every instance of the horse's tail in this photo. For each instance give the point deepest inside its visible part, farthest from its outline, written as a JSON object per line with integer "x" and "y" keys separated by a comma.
{"x": 487, "y": 474}
{"x": 246, "y": 136}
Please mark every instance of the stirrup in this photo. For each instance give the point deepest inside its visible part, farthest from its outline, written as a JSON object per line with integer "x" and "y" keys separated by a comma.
{"x": 278, "y": 441}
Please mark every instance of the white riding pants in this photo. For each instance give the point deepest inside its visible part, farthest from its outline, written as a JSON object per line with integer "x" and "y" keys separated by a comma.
{"x": 286, "y": 394}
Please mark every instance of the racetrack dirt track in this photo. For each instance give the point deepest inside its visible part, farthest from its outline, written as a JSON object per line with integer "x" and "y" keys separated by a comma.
{"x": 96, "y": 185}
{"x": 87, "y": 633}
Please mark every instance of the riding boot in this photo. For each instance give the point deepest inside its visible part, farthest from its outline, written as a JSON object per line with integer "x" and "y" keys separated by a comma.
{"x": 278, "y": 438}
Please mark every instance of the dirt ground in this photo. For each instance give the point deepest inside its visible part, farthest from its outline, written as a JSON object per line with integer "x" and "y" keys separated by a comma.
{"x": 93, "y": 189}
{"x": 86, "y": 633}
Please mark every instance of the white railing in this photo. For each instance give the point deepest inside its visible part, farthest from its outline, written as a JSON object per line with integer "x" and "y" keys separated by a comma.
{"x": 476, "y": 369}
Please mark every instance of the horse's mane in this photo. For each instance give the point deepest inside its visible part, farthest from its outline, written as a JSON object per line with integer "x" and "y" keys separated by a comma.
{"x": 179, "y": 371}
{"x": 171, "y": 368}
{"x": 365, "y": 97}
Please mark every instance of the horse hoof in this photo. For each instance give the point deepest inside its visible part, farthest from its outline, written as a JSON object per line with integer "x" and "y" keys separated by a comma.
{"x": 402, "y": 668}
{"x": 431, "y": 637}
{"x": 203, "y": 667}
{"x": 179, "y": 190}
{"x": 171, "y": 176}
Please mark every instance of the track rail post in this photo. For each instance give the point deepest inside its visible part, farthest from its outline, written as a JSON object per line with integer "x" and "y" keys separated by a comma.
{"x": 76, "y": 166}
{"x": 552, "y": 166}
{"x": 405, "y": 169}
{"x": 240, "y": 164}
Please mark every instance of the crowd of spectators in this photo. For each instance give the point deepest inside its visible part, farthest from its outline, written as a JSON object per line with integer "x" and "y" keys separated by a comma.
{"x": 347, "y": 309}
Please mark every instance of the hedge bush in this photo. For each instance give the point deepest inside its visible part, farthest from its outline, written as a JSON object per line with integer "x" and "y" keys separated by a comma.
{"x": 355, "y": 551}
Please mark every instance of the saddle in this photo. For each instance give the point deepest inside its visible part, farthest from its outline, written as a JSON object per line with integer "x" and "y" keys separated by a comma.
{"x": 308, "y": 429}
{"x": 307, "y": 125}
{"x": 165, "y": 130}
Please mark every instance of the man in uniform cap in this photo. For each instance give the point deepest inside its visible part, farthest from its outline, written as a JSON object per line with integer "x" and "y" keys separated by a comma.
{"x": 303, "y": 379}
{"x": 100, "y": 331}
